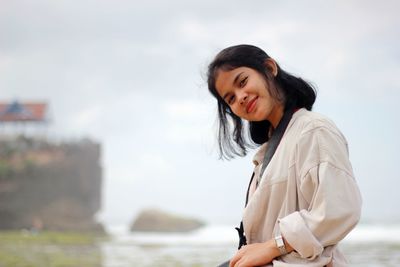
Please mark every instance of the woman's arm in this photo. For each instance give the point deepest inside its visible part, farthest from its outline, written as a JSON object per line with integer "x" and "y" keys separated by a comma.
{"x": 327, "y": 183}
{"x": 258, "y": 254}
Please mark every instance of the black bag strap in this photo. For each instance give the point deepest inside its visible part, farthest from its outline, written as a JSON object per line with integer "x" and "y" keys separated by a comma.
{"x": 269, "y": 153}
{"x": 276, "y": 139}
{"x": 272, "y": 146}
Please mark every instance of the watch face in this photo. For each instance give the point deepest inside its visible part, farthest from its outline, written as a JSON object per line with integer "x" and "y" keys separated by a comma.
{"x": 279, "y": 241}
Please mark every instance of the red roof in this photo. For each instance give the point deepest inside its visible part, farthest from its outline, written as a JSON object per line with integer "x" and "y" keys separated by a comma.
{"x": 26, "y": 111}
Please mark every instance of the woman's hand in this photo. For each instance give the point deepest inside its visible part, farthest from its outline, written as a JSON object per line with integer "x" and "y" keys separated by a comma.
{"x": 257, "y": 254}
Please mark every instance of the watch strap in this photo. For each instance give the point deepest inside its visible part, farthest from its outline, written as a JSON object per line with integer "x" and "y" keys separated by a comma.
{"x": 280, "y": 244}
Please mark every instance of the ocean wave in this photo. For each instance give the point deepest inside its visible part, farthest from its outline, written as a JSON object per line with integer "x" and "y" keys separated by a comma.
{"x": 217, "y": 235}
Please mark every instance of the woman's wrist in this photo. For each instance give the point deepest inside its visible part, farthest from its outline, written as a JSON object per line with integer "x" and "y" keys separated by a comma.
{"x": 280, "y": 244}
{"x": 271, "y": 244}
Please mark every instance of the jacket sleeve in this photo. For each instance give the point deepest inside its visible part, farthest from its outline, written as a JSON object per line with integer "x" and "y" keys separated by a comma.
{"x": 326, "y": 182}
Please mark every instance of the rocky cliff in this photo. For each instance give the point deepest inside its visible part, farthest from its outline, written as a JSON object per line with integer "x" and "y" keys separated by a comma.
{"x": 47, "y": 185}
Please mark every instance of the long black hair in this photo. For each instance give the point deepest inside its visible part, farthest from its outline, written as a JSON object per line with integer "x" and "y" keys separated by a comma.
{"x": 293, "y": 91}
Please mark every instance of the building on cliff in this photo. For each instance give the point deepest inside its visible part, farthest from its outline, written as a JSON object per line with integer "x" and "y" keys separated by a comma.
{"x": 47, "y": 185}
{"x": 23, "y": 117}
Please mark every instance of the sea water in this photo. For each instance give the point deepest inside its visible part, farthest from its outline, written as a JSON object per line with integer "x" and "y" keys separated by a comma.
{"x": 366, "y": 245}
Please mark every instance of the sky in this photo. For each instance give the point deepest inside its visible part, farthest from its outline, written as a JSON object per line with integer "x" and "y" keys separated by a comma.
{"x": 131, "y": 75}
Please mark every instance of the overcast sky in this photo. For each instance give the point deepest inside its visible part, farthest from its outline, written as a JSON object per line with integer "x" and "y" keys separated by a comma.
{"x": 130, "y": 74}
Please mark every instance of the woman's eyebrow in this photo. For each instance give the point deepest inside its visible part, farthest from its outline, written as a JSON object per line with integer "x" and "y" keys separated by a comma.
{"x": 237, "y": 78}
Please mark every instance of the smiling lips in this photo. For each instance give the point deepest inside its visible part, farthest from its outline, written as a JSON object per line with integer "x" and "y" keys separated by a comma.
{"x": 251, "y": 105}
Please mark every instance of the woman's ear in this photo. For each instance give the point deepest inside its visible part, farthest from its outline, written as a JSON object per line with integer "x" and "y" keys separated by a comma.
{"x": 271, "y": 65}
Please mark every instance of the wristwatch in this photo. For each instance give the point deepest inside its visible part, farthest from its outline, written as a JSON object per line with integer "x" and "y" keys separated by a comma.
{"x": 280, "y": 244}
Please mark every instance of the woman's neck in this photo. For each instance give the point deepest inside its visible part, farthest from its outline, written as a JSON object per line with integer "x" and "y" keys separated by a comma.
{"x": 276, "y": 115}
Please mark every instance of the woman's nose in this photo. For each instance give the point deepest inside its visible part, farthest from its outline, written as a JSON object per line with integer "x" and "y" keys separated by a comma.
{"x": 243, "y": 99}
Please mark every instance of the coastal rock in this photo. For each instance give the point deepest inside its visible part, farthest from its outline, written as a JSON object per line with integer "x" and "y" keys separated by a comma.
{"x": 153, "y": 220}
{"x": 50, "y": 186}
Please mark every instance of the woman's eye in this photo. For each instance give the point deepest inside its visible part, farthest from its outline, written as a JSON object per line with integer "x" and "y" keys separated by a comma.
{"x": 231, "y": 99}
{"x": 243, "y": 82}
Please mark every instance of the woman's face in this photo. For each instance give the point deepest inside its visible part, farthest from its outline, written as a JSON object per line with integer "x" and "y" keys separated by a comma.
{"x": 247, "y": 94}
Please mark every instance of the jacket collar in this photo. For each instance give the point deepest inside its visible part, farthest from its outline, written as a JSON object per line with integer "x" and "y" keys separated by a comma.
{"x": 259, "y": 156}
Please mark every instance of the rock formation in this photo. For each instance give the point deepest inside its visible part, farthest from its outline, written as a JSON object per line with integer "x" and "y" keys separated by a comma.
{"x": 153, "y": 220}
{"x": 46, "y": 185}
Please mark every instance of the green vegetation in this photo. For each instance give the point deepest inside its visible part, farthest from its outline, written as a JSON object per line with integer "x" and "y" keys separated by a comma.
{"x": 49, "y": 249}
{"x": 5, "y": 169}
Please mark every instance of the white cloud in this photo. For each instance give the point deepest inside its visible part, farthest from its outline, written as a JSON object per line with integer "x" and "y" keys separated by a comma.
{"x": 186, "y": 109}
{"x": 87, "y": 117}
{"x": 189, "y": 120}
{"x": 155, "y": 162}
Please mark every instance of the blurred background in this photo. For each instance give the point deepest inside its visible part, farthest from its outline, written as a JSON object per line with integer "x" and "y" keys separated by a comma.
{"x": 105, "y": 113}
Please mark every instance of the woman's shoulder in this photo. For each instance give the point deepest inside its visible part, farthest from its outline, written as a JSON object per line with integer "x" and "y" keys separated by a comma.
{"x": 306, "y": 121}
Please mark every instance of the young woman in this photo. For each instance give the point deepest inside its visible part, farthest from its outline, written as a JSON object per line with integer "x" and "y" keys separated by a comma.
{"x": 302, "y": 198}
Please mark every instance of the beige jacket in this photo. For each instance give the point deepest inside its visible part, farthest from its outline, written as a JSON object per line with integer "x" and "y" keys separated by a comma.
{"x": 307, "y": 193}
